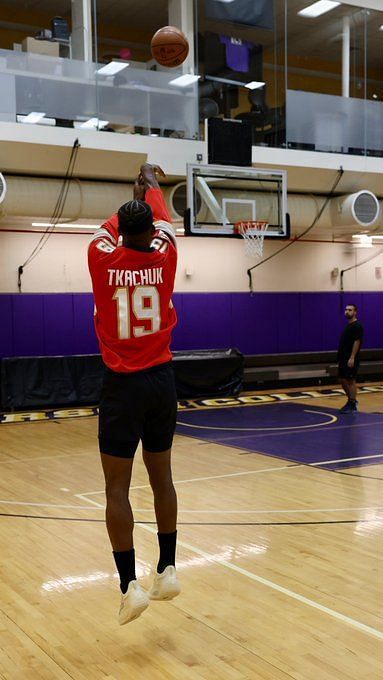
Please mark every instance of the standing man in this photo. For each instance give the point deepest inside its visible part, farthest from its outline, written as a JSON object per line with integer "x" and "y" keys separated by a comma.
{"x": 132, "y": 262}
{"x": 348, "y": 357}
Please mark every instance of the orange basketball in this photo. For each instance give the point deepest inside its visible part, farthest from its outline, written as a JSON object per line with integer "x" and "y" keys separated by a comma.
{"x": 169, "y": 46}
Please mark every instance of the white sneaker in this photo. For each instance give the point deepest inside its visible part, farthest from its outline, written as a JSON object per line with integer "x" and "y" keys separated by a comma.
{"x": 166, "y": 585}
{"x": 133, "y": 603}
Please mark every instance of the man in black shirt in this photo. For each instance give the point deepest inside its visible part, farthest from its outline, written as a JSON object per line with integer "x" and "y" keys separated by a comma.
{"x": 348, "y": 357}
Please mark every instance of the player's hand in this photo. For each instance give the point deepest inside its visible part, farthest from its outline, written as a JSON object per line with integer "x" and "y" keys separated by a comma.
{"x": 148, "y": 175}
{"x": 351, "y": 362}
{"x": 139, "y": 190}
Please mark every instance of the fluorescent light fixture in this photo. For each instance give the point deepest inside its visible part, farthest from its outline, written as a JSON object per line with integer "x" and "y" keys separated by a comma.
{"x": 66, "y": 225}
{"x": 93, "y": 124}
{"x": 112, "y": 68}
{"x": 368, "y": 238}
{"x": 226, "y": 2}
{"x": 254, "y": 85}
{"x": 34, "y": 117}
{"x": 184, "y": 81}
{"x": 317, "y": 8}
{"x": 363, "y": 240}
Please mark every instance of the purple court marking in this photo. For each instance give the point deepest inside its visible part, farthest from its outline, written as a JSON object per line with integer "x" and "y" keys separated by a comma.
{"x": 296, "y": 432}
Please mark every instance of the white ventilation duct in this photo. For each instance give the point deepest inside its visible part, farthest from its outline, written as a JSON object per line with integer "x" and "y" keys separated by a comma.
{"x": 30, "y": 196}
{"x": 3, "y": 188}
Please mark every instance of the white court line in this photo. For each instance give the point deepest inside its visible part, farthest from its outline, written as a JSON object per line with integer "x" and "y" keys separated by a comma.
{"x": 280, "y": 589}
{"x": 344, "y": 460}
{"x": 281, "y": 428}
{"x": 84, "y": 497}
{"x": 48, "y": 505}
{"x": 198, "y": 479}
{"x": 293, "y": 466}
{"x": 266, "y": 512}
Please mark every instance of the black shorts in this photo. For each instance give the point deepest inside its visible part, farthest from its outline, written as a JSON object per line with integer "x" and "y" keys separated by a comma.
{"x": 137, "y": 406}
{"x": 347, "y": 373}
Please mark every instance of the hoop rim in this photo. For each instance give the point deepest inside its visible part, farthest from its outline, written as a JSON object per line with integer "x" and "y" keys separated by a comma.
{"x": 256, "y": 226}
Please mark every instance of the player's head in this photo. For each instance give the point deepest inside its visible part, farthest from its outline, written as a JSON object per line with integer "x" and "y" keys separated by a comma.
{"x": 135, "y": 218}
{"x": 351, "y": 311}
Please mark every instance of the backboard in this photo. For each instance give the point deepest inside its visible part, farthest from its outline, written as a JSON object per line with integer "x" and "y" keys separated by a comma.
{"x": 219, "y": 196}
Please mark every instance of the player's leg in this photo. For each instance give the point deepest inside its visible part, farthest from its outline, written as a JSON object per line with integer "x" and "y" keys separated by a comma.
{"x": 119, "y": 522}
{"x": 159, "y": 470}
{"x": 157, "y": 441}
{"x": 166, "y": 585}
{"x": 119, "y": 516}
{"x": 118, "y": 440}
{"x": 345, "y": 385}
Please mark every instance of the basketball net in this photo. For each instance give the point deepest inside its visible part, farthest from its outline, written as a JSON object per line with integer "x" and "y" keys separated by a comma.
{"x": 253, "y": 234}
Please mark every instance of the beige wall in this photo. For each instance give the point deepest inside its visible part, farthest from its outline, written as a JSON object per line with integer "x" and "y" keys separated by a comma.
{"x": 215, "y": 264}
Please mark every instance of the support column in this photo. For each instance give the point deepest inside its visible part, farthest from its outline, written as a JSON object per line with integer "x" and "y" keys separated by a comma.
{"x": 81, "y": 39}
{"x": 181, "y": 14}
{"x": 346, "y": 57}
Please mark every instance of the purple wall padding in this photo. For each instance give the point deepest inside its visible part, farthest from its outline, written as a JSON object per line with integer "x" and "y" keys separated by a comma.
{"x": 263, "y": 323}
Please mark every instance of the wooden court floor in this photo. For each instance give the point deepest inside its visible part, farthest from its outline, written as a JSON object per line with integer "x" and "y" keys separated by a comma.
{"x": 280, "y": 564}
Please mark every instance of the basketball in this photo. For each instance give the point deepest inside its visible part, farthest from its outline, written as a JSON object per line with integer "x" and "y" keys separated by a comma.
{"x": 169, "y": 46}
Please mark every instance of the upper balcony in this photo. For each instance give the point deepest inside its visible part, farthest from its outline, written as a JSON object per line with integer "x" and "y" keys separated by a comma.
{"x": 305, "y": 83}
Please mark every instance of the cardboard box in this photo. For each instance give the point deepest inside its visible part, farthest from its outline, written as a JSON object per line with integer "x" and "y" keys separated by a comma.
{"x": 52, "y": 49}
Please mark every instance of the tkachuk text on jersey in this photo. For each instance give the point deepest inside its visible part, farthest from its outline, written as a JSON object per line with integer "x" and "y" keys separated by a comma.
{"x": 136, "y": 277}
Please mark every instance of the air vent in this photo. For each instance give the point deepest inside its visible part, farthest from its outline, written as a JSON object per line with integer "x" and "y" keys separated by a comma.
{"x": 366, "y": 207}
{"x": 3, "y": 188}
{"x": 178, "y": 200}
{"x": 359, "y": 209}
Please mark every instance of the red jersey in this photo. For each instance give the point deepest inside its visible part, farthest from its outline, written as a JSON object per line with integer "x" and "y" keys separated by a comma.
{"x": 134, "y": 313}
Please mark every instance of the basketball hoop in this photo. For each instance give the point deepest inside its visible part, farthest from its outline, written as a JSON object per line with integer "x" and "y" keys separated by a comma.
{"x": 253, "y": 234}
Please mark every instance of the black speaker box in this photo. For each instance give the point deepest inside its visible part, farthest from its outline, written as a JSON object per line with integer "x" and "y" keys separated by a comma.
{"x": 229, "y": 142}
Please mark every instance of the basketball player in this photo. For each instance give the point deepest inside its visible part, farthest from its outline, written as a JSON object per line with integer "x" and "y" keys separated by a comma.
{"x": 132, "y": 262}
{"x": 348, "y": 357}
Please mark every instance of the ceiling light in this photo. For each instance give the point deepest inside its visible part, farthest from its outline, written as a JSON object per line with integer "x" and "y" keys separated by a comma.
{"x": 254, "y": 85}
{"x": 318, "y": 8}
{"x": 92, "y": 124}
{"x": 381, "y": 28}
{"x": 34, "y": 117}
{"x": 184, "y": 81}
{"x": 66, "y": 225}
{"x": 112, "y": 68}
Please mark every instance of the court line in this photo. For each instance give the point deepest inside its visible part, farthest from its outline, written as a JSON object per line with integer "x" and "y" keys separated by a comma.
{"x": 275, "y": 586}
{"x": 332, "y": 419}
{"x": 294, "y": 464}
{"x": 248, "y": 512}
{"x": 49, "y": 505}
{"x": 198, "y": 479}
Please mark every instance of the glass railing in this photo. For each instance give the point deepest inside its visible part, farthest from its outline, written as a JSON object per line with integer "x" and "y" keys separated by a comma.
{"x": 72, "y": 93}
{"x": 322, "y": 122}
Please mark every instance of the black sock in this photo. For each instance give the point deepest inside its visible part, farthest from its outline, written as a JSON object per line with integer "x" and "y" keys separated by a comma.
{"x": 167, "y": 543}
{"x": 126, "y": 567}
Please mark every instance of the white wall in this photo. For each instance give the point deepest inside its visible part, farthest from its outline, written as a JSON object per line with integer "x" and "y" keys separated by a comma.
{"x": 217, "y": 265}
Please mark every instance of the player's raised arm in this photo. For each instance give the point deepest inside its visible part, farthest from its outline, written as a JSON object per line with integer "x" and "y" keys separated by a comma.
{"x": 154, "y": 197}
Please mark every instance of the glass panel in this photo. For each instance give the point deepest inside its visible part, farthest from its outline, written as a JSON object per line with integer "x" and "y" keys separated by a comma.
{"x": 335, "y": 124}
{"x": 240, "y": 43}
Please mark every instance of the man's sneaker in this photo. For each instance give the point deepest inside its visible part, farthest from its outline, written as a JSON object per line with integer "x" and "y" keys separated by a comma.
{"x": 166, "y": 585}
{"x": 354, "y": 406}
{"x": 347, "y": 408}
{"x": 133, "y": 603}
